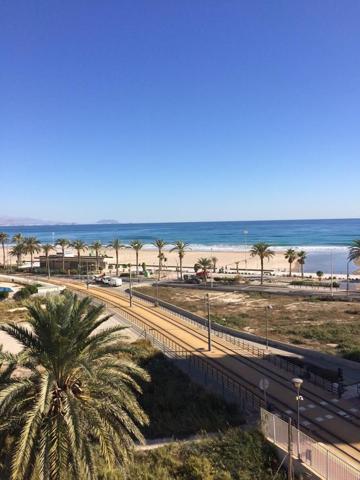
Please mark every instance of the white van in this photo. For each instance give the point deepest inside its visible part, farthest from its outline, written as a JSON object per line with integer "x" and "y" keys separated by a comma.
{"x": 115, "y": 282}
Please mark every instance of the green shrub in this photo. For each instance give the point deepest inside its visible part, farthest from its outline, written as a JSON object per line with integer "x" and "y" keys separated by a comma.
{"x": 25, "y": 292}
{"x": 3, "y": 295}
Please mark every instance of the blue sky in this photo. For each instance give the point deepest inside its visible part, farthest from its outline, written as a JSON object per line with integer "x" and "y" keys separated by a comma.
{"x": 179, "y": 110}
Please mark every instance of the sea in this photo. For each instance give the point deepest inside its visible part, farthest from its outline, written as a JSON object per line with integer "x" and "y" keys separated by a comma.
{"x": 326, "y": 241}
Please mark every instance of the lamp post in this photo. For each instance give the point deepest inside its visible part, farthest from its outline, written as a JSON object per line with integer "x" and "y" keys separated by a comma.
{"x": 245, "y": 234}
{"x": 130, "y": 281}
{"x": 297, "y": 382}
{"x": 268, "y": 312}
{"x": 207, "y": 302}
{"x": 347, "y": 277}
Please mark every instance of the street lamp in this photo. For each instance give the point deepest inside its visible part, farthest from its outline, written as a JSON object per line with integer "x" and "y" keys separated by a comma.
{"x": 297, "y": 382}
{"x": 268, "y": 309}
{"x": 347, "y": 277}
{"x": 130, "y": 281}
{"x": 207, "y": 302}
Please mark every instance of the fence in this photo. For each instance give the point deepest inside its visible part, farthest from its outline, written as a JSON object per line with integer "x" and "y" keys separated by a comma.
{"x": 197, "y": 367}
{"x": 229, "y": 335}
{"x": 322, "y": 461}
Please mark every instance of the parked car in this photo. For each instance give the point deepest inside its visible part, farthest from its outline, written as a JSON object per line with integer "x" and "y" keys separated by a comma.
{"x": 115, "y": 282}
{"x": 106, "y": 280}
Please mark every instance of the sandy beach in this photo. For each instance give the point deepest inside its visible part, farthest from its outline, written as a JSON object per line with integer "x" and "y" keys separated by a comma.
{"x": 224, "y": 259}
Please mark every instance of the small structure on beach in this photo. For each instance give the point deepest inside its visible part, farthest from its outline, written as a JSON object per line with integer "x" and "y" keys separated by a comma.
{"x": 88, "y": 263}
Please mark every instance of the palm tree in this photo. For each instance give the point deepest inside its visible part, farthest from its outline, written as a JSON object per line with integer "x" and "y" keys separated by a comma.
{"x": 32, "y": 245}
{"x": 18, "y": 238}
{"x": 354, "y": 251}
{"x": 181, "y": 248}
{"x": 160, "y": 244}
{"x": 116, "y": 245}
{"x": 205, "y": 264}
{"x": 76, "y": 398}
{"x": 137, "y": 246}
{"x": 290, "y": 256}
{"x": 214, "y": 261}
{"x": 79, "y": 246}
{"x": 97, "y": 246}
{"x": 3, "y": 238}
{"x": 301, "y": 257}
{"x": 47, "y": 249}
{"x": 18, "y": 251}
{"x": 262, "y": 250}
{"x": 63, "y": 243}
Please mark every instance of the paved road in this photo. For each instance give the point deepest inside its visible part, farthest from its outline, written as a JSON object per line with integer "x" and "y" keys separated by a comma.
{"x": 335, "y": 422}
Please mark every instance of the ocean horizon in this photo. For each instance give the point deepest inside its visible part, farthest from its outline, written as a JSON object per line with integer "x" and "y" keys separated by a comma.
{"x": 325, "y": 240}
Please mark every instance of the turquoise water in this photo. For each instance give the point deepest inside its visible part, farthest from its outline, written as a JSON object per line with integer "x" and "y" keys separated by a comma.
{"x": 318, "y": 237}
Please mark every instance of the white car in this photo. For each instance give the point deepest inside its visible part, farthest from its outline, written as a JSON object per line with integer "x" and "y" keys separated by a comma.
{"x": 115, "y": 282}
{"x": 106, "y": 280}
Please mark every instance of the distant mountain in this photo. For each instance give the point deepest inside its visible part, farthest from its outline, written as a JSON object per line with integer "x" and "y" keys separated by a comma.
{"x": 107, "y": 222}
{"x": 25, "y": 221}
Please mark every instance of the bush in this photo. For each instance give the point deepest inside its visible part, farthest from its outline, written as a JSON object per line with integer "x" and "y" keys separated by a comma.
{"x": 3, "y": 295}
{"x": 25, "y": 292}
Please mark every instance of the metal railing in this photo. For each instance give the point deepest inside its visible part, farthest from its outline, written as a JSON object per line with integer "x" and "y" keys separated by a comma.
{"x": 313, "y": 455}
{"x": 224, "y": 333}
{"x": 197, "y": 367}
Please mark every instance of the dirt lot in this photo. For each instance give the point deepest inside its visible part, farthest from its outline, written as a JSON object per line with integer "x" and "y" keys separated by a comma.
{"x": 330, "y": 326}
{"x": 11, "y": 311}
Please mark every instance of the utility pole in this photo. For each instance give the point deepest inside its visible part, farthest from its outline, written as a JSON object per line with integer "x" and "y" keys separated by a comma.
{"x": 130, "y": 281}
{"x": 207, "y": 302}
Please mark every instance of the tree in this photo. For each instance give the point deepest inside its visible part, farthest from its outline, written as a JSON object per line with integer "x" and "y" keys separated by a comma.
{"x": 18, "y": 251}
{"x": 354, "y": 251}
{"x": 290, "y": 256}
{"x": 79, "y": 246}
{"x": 301, "y": 258}
{"x": 204, "y": 264}
{"x": 116, "y": 245}
{"x": 76, "y": 398}
{"x": 214, "y": 261}
{"x": 32, "y": 245}
{"x": 47, "y": 247}
{"x": 181, "y": 248}
{"x": 137, "y": 246}
{"x": 262, "y": 250}
{"x": 96, "y": 246}
{"x": 63, "y": 243}
{"x": 160, "y": 244}
{"x": 3, "y": 239}
{"x": 17, "y": 238}
{"x": 319, "y": 274}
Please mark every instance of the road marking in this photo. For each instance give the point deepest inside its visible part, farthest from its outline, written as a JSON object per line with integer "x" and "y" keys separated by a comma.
{"x": 335, "y": 400}
{"x": 289, "y": 412}
{"x": 354, "y": 410}
{"x": 305, "y": 423}
{"x": 342, "y": 413}
{"x": 319, "y": 419}
{"x": 323, "y": 403}
{"x": 329, "y": 416}
{"x": 311, "y": 405}
{"x": 302, "y": 409}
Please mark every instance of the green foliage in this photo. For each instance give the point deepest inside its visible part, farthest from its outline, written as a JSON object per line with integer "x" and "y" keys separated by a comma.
{"x": 309, "y": 283}
{"x": 25, "y": 292}
{"x": 175, "y": 405}
{"x": 77, "y": 401}
{"x": 234, "y": 455}
{"x": 3, "y": 295}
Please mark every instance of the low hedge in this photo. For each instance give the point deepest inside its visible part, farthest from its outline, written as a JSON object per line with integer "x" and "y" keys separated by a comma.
{"x": 25, "y": 292}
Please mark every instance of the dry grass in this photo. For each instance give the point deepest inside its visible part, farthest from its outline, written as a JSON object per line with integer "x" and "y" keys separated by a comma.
{"x": 331, "y": 326}
{"x": 11, "y": 311}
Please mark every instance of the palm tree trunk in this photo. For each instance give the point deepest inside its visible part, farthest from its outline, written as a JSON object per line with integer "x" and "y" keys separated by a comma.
{"x": 117, "y": 261}
{"x": 63, "y": 259}
{"x": 262, "y": 270}
{"x": 181, "y": 272}
{"x": 97, "y": 260}
{"x": 290, "y": 269}
{"x": 302, "y": 270}
{"x": 31, "y": 260}
{"x": 48, "y": 265}
{"x": 137, "y": 263}
{"x": 79, "y": 261}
